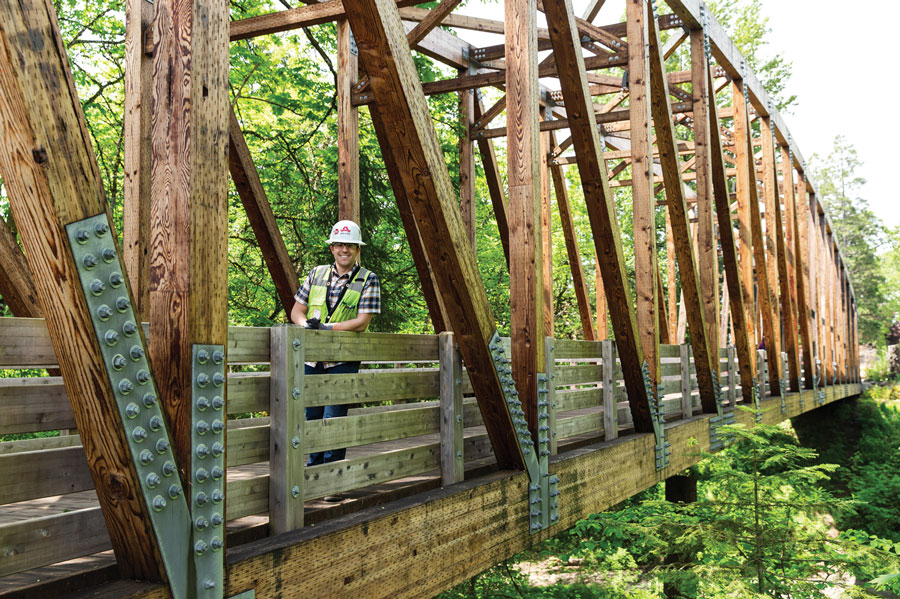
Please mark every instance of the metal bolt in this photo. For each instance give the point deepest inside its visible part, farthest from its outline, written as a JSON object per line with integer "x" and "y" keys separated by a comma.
{"x": 295, "y": 392}
{"x": 97, "y": 287}
{"x": 218, "y": 356}
{"x": 218, "y": 403}
{"x": 168, "y": 468}
{"x": 218, "y": 379}
{"x": 174, "y": 491}
{"x": 122, "y": 304}
{"x": 202, "y": 451}
{"x": 459, "y": 417}
{"x": 296, "y": 344}
{"x": 82, "y": 236}
{"x": 202, "y": 380}
{"x": 201, "y": 427}
{"x": 200, "y": 548}
{"x": 216, "y": 519}
{"x": 115, "y": 279}
{"x": 201, "y": 523}
{"x": 162, "y": 446}
{"x": 217, "y": 449}
{"x": 295, "y": 442}
{"x": 143, "y": 377}
{"x": 209, "y": 584}
{"x": 217, "y": 472}
{"x": 155, "y": 423}
{"x": 111, "y": 337}
{"x": 159, "y": 503}
{"x": 146, "y": 457}
{"x": 129, "y": 328}
{"x": 216, "y": 543}
{"x": 201, "y": 474}
{"x": 202, "y": 403}
{"x": 108, "y": 254}
{"x": 101, "y": 229}
{"x": 459, "y": 454}
{"x": 218, "y": 496}
{"x": 132, "y": 410}
{"x": 202, "y": 356}
{"x": 89, "y": 261}
{"x": 104, "y": 312}
{"x": 137, "y": 352}
{"x": 125, "y": 386}
{"x": 153, "y": 480}
{"x": 201, "y": 498}
{"x": 295, "y": 491}
{"x": 138, "y": 434}
{"x": 149, "y": 399}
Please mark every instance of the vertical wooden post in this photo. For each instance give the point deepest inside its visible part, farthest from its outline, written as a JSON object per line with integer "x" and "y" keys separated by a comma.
{"x": 52, "y": 180}
{"x": 601, "y": 306}
{"x": 707, "y": 255}
{"x": 770, "y": 241}
{"x": 286, "y": 428}
{"x": 550, "y": 357}
{"x": 746, "y": 177}
{"x": 610, "y": 406}
{"x": 348, "y": 126}
{"x": 644, "y": 201}
{"x": 452, "y": 462}
{"x": 523, "y": 173}
{"x": 804, "y": 289}
{"x": 547, "y": 233}
{"x": 189, "y": 212}
{"x": 763, "y": 373}
{"x": 732, "y": 379}
{"x": 467, "y": 161}
{"x": 137, "y": 151}
{"x": 828, "y": 265}
{"x": 687, "y": 408}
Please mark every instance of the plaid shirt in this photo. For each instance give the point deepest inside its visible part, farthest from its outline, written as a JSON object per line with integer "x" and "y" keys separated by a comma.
{"x": 369, "y": 301}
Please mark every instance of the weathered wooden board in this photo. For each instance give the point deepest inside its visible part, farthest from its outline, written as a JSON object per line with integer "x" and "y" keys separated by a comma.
{"x": 352, "y": 431}
{"x": 371, "y": 386}
{"x": 46, "y": 473}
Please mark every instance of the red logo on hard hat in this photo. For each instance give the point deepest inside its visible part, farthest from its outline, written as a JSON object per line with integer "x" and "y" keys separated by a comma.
{"x": 346, "y": 229}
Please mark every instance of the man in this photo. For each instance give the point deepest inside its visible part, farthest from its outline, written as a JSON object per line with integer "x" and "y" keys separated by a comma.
{"x": 339, "y": 297}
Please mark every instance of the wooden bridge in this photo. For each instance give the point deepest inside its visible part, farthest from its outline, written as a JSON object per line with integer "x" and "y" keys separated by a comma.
{"x": 184, "y": 438}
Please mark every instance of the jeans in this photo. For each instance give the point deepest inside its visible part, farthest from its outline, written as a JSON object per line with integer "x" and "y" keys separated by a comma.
{"x": 320, "y": 412}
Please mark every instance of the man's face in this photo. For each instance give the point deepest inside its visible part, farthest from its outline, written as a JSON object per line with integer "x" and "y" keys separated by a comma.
{"x": 345, "y": 255}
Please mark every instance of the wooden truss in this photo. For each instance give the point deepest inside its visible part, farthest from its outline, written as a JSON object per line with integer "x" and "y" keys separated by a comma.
{"x": 674, "y": 147}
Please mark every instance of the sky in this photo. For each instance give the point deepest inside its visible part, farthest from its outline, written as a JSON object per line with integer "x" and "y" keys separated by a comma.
{"x": 846, "y": 57}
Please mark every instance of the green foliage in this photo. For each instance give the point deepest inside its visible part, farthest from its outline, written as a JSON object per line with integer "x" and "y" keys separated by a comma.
{"x": 859, "y": 233}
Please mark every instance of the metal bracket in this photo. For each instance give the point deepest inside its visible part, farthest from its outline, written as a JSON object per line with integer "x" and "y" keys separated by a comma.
{"x": 543, "y": 503}
{"x": 354, "y": 50}
{"x": 124, "y": 358}
{"x": 661, "y": 449}
{"x": 208, "y": 468}
{"x": 723, "y": 416}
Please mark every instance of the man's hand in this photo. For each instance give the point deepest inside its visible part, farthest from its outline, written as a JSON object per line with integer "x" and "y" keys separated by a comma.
{"x": 313, "y": 323}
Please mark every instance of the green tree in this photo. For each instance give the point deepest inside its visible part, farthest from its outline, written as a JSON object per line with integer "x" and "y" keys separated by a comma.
{"x": 860, "y": 234}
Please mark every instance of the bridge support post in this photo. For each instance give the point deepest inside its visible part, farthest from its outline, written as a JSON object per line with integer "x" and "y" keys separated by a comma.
{"x": 451, "y": 398}
{"x": 682, "y": 488}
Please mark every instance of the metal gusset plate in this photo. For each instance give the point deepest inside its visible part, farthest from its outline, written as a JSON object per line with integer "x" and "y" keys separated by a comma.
{"x": 756, "y": 405}
{"x": 717, "y": 439}
{"x": 661, "y": 447}
{"x": 208, "y": 468}
{"x": 124, "y": 358}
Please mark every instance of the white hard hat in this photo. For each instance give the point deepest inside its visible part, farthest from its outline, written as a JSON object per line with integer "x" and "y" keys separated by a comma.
{"x": 345, "y": 231}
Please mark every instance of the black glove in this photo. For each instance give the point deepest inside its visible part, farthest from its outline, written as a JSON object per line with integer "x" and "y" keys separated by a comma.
{"x": 313, "y": 323}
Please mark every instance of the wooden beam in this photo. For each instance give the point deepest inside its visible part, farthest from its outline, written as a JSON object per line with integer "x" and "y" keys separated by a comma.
{"x": 593, "y": 7}
{"x": 643, "y": 198}
{"x": 671, "y": 285}
{"x": 744, "y": 182}
{"x": 707, "y": 255}
{"x": 549, "y": 321}
{"x": 16, "y": 287}
{"x": 740, "y": 323}
{"x": 494, "y": 184}
{"x": 704, "y": 347}
{"x": 136, "y": 139}
{"x": 800, "y": 224}
{"x": 52, "y": 179}
{"x": 433, "y": 301}
{"x": 412, "y": 142}
{"x": 604, "y": 226}
{"x": 259, "y": 213}
{"x": 772, "y": 237}
{"x": 787, "y": 255}
{"x": 568, "y": 227}
{"x": 189, "y": 212}
{"x": 430, "y": 21}
{"x": 602, "y": 308}
{"x": 467, "y": 162}
{"x": 347, "y": 127}
{"x": 523, "y": 176}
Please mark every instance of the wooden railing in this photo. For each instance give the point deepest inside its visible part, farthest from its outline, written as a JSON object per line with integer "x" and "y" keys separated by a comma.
{"x": 405, "y": 407}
